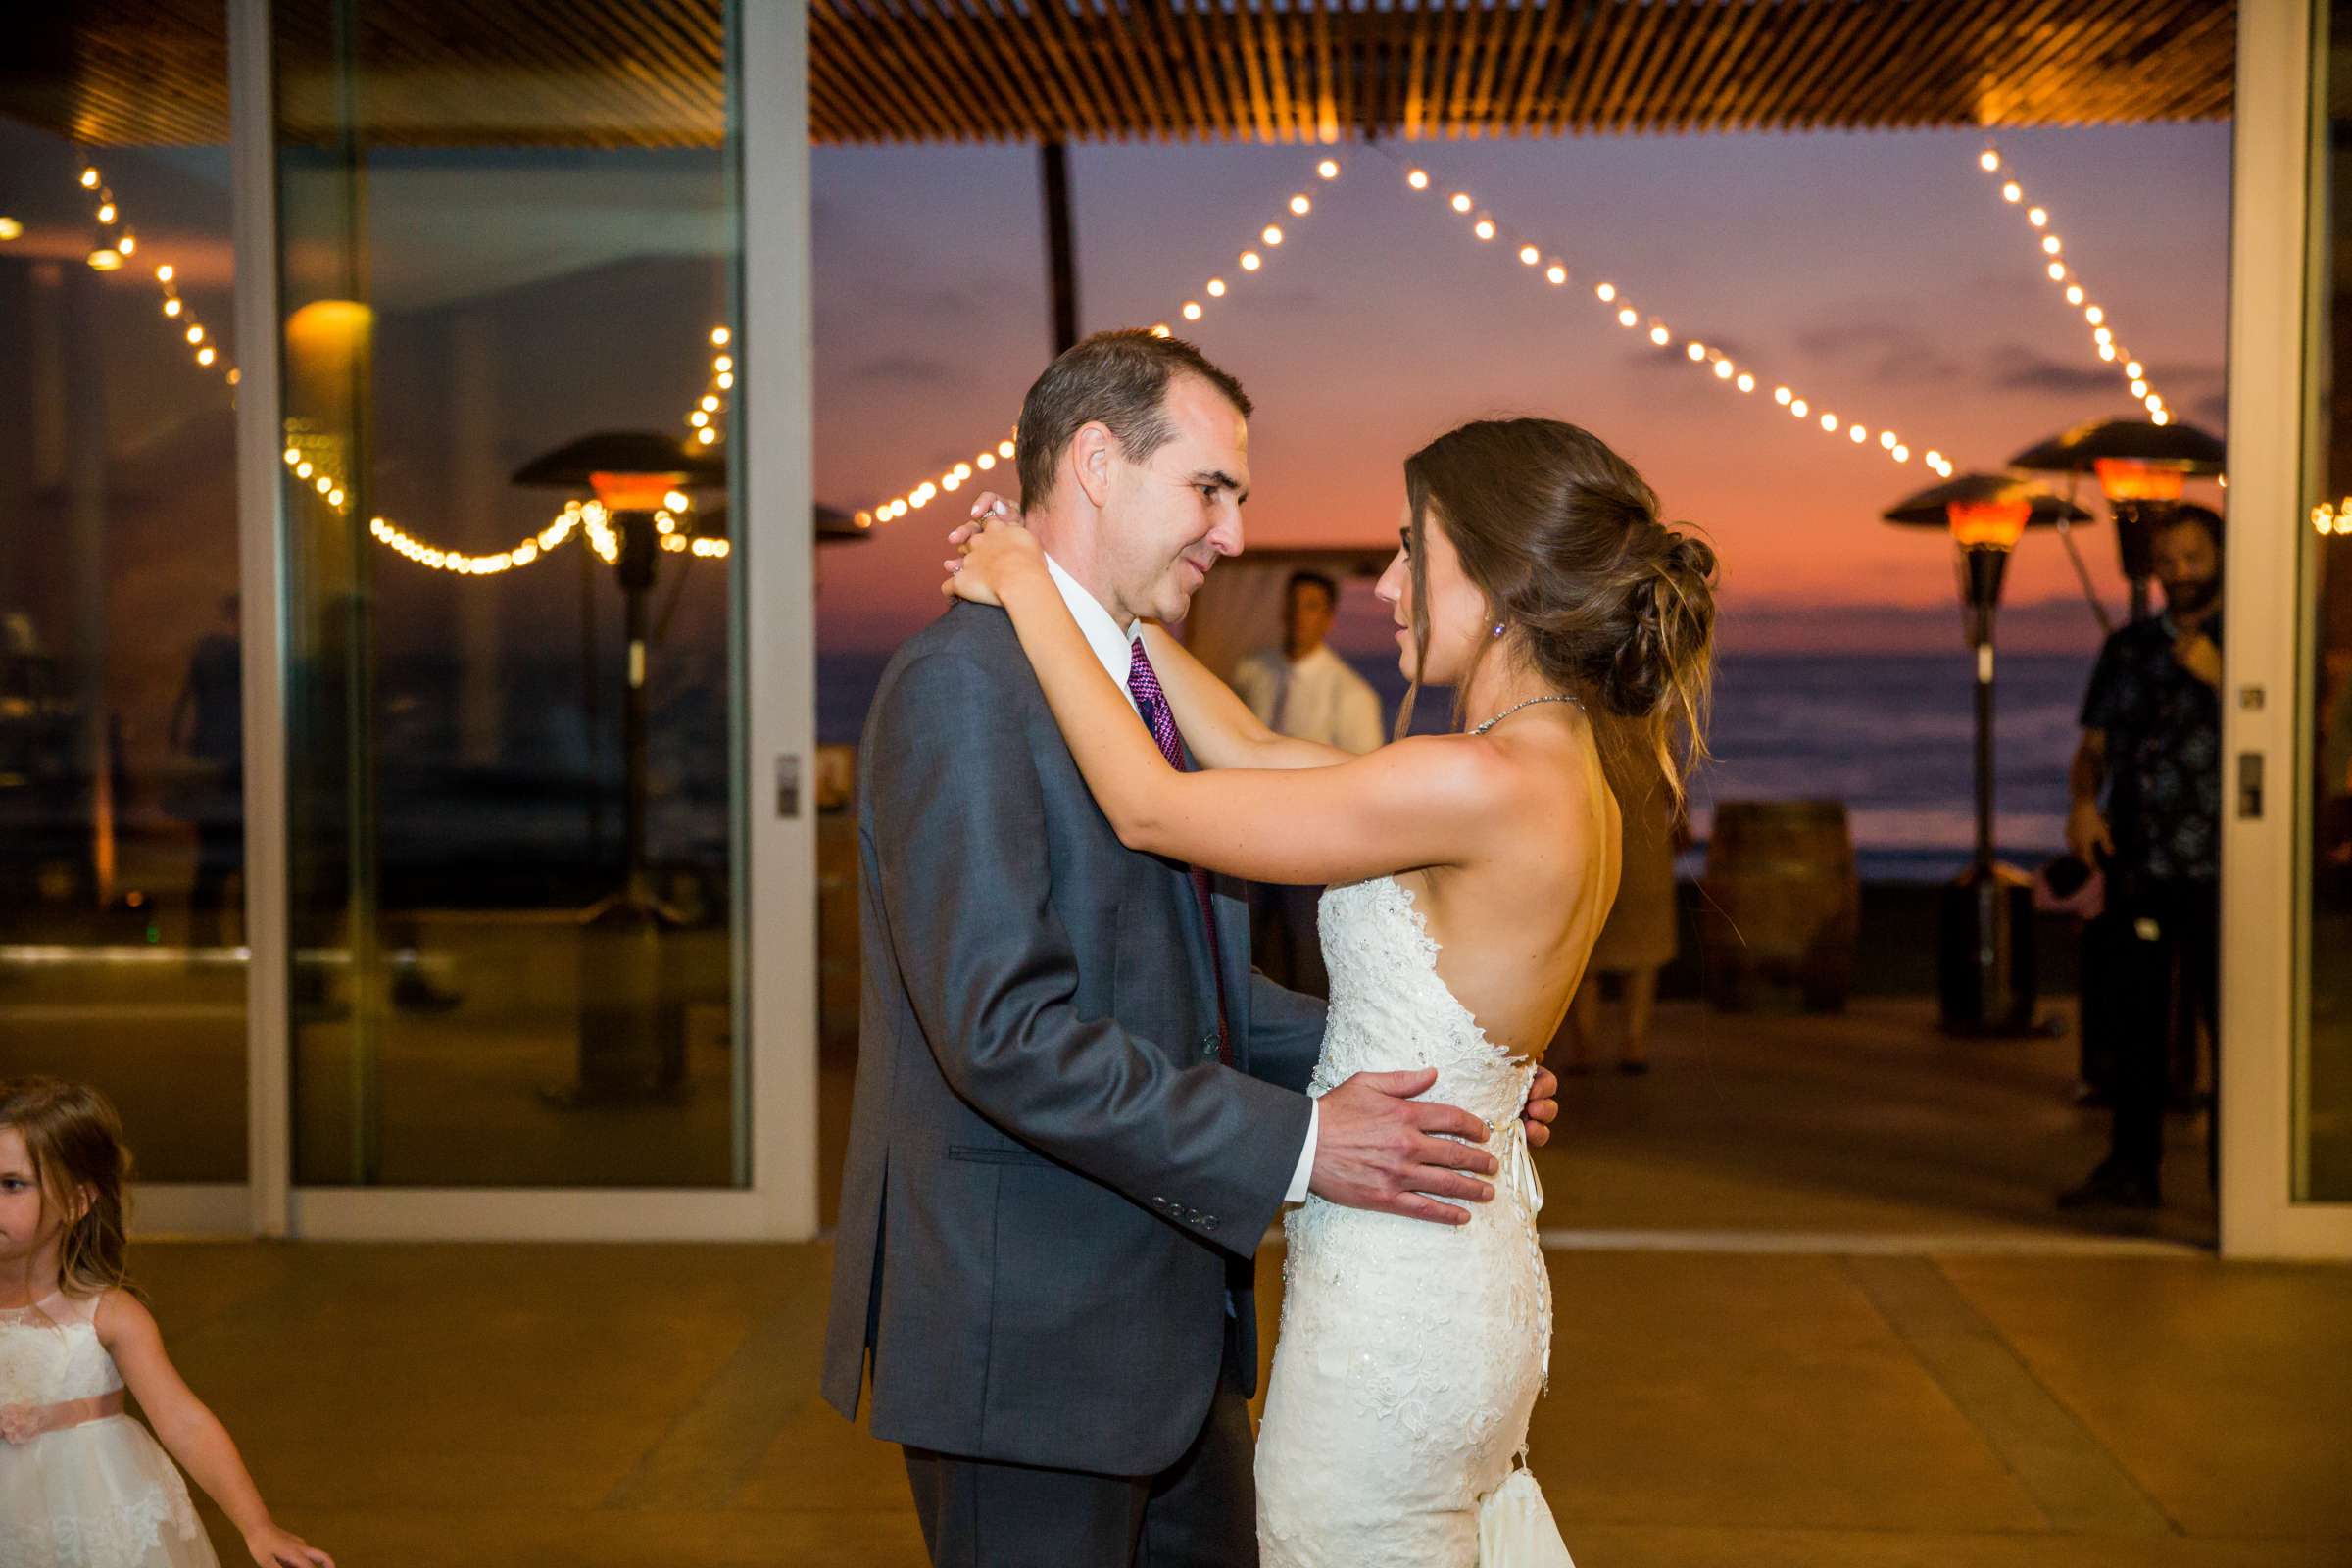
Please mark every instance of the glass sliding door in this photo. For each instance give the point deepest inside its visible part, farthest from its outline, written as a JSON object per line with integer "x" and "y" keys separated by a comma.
{"x": 2287, "y": 1100}
{"x": 508, "y": 268}
{"x": 123, "y": 944}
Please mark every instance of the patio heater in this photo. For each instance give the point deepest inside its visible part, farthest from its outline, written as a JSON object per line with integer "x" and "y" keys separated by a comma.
{"x": 1986, "y": 984}
{"x": 632, "y": 1035}
{"x": 2142, "y": 469}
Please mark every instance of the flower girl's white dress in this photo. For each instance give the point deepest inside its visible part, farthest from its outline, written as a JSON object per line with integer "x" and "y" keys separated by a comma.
{"x": 82, "y": 1485}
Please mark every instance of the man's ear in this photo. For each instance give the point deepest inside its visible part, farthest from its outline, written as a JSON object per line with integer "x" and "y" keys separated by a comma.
{"x": 1092, "y": 449}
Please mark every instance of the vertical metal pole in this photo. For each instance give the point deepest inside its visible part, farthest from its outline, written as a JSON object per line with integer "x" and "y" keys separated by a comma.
{"x": 262, "y": 583}
{"x": 1061, "y": 250}
{"x": 771, "y": 480}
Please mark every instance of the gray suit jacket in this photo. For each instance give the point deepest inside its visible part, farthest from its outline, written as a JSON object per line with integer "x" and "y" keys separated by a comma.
{"x": 1052, "y": 1182}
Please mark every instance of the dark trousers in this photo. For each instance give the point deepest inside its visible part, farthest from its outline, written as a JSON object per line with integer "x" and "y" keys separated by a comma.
{"x": 1201, "y": 1512}
{"x": 2162, "y": 948}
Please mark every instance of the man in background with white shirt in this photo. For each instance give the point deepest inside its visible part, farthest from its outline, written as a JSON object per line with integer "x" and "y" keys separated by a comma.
{"x": 1306, "y": 691}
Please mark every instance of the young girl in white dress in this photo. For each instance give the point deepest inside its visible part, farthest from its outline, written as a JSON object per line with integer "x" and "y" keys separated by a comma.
{"x": 82, "y": 1484}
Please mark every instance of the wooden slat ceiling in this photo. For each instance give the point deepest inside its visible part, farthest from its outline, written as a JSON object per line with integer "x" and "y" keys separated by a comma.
{"x": 649, "y": 73}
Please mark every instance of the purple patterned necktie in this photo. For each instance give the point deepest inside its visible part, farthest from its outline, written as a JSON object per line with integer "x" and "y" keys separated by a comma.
{"x": 1143, "y": 684}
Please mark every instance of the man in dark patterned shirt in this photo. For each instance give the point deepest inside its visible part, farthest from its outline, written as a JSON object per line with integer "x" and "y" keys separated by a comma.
{"x": 2148, "y": 811}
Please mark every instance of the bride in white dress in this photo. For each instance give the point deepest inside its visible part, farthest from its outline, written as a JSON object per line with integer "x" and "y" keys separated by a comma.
{"x": 1469, "y": 876}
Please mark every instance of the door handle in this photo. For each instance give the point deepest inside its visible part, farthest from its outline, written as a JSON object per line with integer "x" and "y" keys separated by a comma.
{"x": 2249, "y": 786}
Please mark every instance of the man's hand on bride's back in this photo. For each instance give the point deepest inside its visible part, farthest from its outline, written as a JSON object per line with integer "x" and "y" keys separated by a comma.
{"x": 1378, "y": 1148}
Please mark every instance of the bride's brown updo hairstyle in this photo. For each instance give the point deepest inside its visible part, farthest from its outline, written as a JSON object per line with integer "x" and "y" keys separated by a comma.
{"x": 1562, "y": 536}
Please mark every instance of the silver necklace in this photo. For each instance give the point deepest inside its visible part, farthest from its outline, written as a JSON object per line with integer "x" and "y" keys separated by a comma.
{"x": 1547, "y": 697}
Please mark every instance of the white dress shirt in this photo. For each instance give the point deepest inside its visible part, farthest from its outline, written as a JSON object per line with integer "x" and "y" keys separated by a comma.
{"x": 1116, "y": 650}
{"x": 1318, "y": 698}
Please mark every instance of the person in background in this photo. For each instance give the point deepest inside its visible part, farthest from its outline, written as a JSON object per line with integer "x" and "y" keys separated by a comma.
{"x": 208, "y": 730}
{"x": 1307, "y": 692}
{"x": 1618, "y": 998}
{"x": 2147, "y": 812}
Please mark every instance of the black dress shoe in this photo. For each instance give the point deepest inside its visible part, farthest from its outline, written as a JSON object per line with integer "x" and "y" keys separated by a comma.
{"x": 2109, "y": 1186}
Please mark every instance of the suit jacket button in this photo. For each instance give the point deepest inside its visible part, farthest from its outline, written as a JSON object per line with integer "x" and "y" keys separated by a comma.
{"x": 1208, "y": 1222}
{"x": 1208, "y": 1046}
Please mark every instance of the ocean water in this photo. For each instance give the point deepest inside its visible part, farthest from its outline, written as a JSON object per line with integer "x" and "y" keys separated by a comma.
{"x": 1891, "y": 735}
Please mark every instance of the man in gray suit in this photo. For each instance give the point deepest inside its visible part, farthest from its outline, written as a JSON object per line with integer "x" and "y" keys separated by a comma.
{"x": 1077, "y": 1108}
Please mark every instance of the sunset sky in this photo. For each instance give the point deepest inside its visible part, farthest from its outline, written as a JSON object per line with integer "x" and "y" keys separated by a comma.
{"x": 1879, "y": 274}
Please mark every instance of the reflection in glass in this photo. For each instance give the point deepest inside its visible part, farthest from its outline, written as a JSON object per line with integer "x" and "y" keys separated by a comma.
{"x": 121, "y": 815}
{"x": 2323, "y": 1089}
{"x": 510, "y": 689}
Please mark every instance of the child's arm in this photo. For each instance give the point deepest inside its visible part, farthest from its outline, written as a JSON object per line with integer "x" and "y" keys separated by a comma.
{"x": 193, "y": 1435}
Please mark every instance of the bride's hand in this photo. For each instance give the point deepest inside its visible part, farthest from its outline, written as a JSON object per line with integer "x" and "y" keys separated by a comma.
{"x": 996, "y": 551}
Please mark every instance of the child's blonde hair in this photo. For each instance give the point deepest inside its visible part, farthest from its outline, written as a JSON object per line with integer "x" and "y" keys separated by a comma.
{"x": 75, "y": 1142}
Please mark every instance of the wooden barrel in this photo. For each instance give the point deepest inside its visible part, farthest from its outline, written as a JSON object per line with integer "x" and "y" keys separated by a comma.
{"x": 1781, "y": 903}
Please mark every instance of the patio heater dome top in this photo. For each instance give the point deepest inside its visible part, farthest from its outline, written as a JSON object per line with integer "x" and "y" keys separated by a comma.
{"x": 644, "y": 453}
{"x": 1932, "y": 508}
{"x": 2181, "y": 447}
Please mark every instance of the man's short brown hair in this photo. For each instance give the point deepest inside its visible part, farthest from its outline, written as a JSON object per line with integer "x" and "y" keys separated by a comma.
{"x": 1120, "y": 379}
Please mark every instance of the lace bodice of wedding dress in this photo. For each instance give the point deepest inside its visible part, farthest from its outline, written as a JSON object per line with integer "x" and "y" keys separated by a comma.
{"x": 99, "y": 1494}
{"x": 1410, "y": 1353}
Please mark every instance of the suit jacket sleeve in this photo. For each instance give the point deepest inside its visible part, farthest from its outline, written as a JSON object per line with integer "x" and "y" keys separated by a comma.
{"x": 959, "y": 842}
{"x": 1286, "y": 1037}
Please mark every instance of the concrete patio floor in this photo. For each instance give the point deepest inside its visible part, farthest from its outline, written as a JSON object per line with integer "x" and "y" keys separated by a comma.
{"x": 623, "y": 1406}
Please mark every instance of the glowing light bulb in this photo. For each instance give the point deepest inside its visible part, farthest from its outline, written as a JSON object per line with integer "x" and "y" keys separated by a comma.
{"x": 10, "y": 228}
{"x": 2073, "y": 294}
{"x": 1989, "y": 160}
{"x": 1695, "y": 349}
{"x": 1934, "y": 459}
{"x": 164, "y": 274}
{"x": 963, "y": 471}
{"x": 1483, "y": 228}
{"x": 2057, "y": 271}
{"x": 1722, "y": 370}
{"x": 106, "y": 211}
{"x": 1626, "y": 317}
{"x": 949, "y": 482}
{"x": 1829, "y": 422}
{"x": 171, "y": 307}
{"x": 1417, "y": 179}
{"x": 725, "y": 379}
{"x": 985, "y": 460}
{"x": 1328, "y": 170}
{"x": 2139, "y": 388}
{"x": 1004, "y": 449}
{"x": 1605, "y": 291}
{"x": 1160, "y": 329}
{"x": 294, "y": 456}
{"x": 1747, "y": 382}
{"x": 1249, "y": 261}
{"x": 1192, "y": 309}
{"x": 709, "y": 403}
{"x": 324, "y": 484}
{"x": 1301, "y": 205}
{"x": 1858, "y": 434}
{"x": 1529, "y": 256}
{"x": 1555, "y": 273}
{"x": 2107, "y": 351}
{"x": 2135, "y": 370}
{"x": 205, "y": 354}
{"x": 1216, "y": 288}
{"x": 1781, "y": 395}
{"x": 698, "y": 418}
{"x": 2103, "y": 335}
{"x": 1887, "y": 439}
{"x": 1902, "y": 454}
{"x": 128, "y": 244}
{"x": 724, "y": 364}
{"x": 89, "y": 178}
{"x": 719, "y": 336}
{"x": 2094, "y": 316}
{"x": 2161, "y": 418}
{"x": 1798, "y": 407}
{"x": 2012, "y": 192}
{"x": 1461, "y": 201}
{"x": 1660, "y": 336}
{"x": 1272, "y": 235}
{"x": 2050, "y": 244}
{"x": 195, "y": 334}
